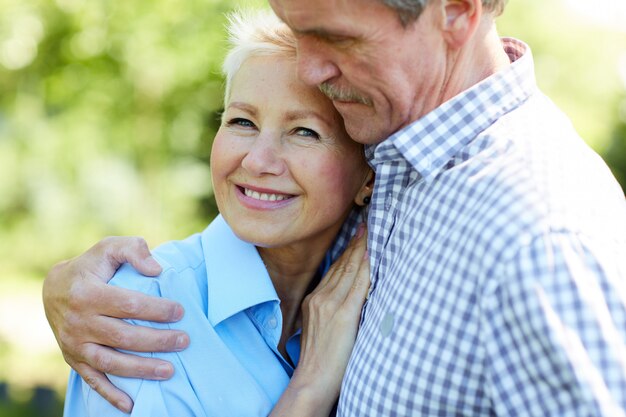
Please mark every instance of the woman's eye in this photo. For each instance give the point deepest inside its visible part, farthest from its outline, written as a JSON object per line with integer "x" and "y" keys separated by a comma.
{"x": 303, "y": 131}
{"x": 240, "y": 121}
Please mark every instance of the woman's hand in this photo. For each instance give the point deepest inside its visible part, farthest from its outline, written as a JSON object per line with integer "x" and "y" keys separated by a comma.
{"x": 84, "y": 313}
{"x": 330, "y": 316}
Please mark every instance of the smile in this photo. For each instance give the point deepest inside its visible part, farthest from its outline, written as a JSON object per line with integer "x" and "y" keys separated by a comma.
{"x": 265, "y": 196}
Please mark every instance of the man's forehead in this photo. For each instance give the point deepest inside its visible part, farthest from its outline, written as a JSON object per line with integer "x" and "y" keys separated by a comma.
{"x": 312, "y": 15}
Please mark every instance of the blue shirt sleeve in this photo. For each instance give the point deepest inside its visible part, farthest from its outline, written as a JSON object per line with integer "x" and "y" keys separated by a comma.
{"x": 173, "y": 397}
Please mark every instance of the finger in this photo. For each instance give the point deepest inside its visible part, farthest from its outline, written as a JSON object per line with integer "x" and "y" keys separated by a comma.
{"x": 124, "y": 303}
{"x": 101, "y": 384}
{"x": 346, "y": 263}
{"x": 361, "y": 284}
{"x": 106, "y": 256}
{"x": 111, "y": 361}
{"x": 135, "y": 251}
{"x": 347, "y": 268}
{"x": 122, "y": 335}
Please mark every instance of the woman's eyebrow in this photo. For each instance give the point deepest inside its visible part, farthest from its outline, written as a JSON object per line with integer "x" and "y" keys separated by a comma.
{"x": 244, "y": 107}
{"x": 306, "y": 114}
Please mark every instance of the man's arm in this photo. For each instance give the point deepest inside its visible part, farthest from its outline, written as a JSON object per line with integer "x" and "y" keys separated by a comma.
{"x": 85, "y": 315}
{"x": 555, "y": 330}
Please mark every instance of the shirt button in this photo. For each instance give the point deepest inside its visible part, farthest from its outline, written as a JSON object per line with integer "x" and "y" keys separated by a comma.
{"x": 386, "y": 324}
{"x": 272, "y": 323}
{"x": 388, "y": 201}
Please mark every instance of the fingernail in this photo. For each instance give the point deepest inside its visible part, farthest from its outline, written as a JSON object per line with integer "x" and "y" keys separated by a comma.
{"x": 178, "y": 313}
{"x": 152, "y": 263}
{"x": 124, "y": 407}
{"x": 360, "y": 230}
{"x": 366, "y": 254}
{"x": 181, "y": 342}
{"x": 162, "y": 371}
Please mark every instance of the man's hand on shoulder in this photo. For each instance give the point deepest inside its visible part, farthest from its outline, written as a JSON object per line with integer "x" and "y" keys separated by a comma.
{"x": 85, "y": 315}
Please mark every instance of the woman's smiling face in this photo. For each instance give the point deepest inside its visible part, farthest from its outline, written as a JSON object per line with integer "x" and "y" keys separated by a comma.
{"x": 284, "y": 170}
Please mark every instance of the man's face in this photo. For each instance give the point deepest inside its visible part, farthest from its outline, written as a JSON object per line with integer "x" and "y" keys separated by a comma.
{"x": 380, "y": 75}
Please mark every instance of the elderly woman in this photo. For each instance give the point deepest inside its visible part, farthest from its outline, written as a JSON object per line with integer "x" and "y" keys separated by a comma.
{"x": 286, "y": 177}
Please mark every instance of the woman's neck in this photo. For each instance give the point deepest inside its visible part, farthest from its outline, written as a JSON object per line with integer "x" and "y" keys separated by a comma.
{"x": 292, "y": 271}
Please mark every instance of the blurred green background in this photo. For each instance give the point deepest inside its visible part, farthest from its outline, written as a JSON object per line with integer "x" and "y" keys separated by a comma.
{"x": 107, "y": 111}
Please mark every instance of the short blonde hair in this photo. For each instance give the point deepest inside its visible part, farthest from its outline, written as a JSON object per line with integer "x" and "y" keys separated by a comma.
{"x": 254, "y": 33}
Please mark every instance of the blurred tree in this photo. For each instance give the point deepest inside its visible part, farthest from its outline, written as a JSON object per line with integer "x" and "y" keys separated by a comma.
{"x": 107, "y": 110}
{"x": 616, "y": 150}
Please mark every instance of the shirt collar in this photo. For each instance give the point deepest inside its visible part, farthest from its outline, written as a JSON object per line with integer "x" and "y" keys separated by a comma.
{"x": 236, "y": 276}
{"x": 429, "y": 143}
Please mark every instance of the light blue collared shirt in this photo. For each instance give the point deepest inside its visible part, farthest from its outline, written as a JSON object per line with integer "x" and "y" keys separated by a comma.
{"x": 232, "y": 315}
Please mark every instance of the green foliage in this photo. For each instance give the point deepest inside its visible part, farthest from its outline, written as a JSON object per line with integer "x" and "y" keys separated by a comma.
{"x": 616, "y": 150}
{"x": 577, "y": 61}
{"x": 107, "y": 110}
{"x": 40, "y": 402}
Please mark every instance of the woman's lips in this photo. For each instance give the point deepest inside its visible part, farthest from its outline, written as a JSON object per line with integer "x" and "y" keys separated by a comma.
{"x": 265, "y": 196}
{"x": 257, "y": 198}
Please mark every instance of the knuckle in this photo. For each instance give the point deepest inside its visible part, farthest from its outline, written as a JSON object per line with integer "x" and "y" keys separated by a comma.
{"x": 359, "y": 284}
{"x": 314, "y": 302}
{"x": 138, "y": 242}
{"x": 79, "y": 295}
{"x": 102, "y": 361}
{"x": 165, "y": 342}
{"x": 346, "y": 268}
{"x": 92, "y": 381}
{"x": 56, "y": 270}
{"x": 117, "y": 338}
{"x": 320, "y": 305}
{"x": 72, "y": 322}
{"x": 104, "y": 244}
{"x": 131, "y": 307}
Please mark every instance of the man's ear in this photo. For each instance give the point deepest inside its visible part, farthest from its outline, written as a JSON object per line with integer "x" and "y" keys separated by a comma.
{"x": 461, "y": 17}
{"x": 366, "y": 190}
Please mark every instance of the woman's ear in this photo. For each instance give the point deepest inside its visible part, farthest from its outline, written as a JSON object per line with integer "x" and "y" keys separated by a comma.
{"x": 362, "y": 198}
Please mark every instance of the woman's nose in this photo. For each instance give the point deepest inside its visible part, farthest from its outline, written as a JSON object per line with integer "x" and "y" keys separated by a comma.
{"x": 264, "y": 157}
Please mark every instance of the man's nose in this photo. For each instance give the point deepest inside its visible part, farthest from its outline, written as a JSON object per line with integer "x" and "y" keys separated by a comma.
{"x": 315, "y": 64}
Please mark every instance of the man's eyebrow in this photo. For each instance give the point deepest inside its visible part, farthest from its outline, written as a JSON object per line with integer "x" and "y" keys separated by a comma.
{"x": 311, "y": 31}
{"x": 318, "y": 32}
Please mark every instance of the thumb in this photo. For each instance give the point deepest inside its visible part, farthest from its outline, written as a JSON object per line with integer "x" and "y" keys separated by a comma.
{"x": 112, "y": 252}
{"x": 135, "y": 251}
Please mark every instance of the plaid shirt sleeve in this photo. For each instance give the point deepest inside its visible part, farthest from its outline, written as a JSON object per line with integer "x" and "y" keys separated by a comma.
{"x": 554, "y": 330}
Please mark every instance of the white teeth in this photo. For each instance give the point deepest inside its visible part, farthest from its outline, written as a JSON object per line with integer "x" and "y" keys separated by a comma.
{"x": 264, "y": 196}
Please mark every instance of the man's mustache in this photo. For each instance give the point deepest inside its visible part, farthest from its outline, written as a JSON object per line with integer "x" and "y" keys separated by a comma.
{"x": 338, "y": 94}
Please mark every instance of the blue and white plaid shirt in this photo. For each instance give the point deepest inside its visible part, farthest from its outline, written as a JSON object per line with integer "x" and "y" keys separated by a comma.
{"x": 498, "y": 258}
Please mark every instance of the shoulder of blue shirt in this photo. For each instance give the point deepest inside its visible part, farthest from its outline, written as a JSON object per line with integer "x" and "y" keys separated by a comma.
{"x": 174, "y": 257}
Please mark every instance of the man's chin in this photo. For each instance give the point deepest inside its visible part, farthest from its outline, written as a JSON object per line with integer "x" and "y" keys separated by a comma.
{"x": 364, "y": 131}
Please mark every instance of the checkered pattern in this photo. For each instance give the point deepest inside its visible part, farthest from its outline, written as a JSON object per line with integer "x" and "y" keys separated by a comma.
{"x": 498, "y": 243}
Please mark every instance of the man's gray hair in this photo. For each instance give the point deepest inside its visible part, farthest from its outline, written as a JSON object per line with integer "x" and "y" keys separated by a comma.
{"x": 409, "y": 10}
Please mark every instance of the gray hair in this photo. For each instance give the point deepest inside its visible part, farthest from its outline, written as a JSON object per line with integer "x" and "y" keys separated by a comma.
{"x": 254, "y": 33}
{"x": 409, "y": 10}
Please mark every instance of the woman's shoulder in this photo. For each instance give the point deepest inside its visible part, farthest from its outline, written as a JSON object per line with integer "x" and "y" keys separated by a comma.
{"x": 178, "y": 258}
{"x": 181, "y": 261}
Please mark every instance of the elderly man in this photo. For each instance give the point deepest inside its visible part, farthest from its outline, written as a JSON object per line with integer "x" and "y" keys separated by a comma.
{"x": 497, "y": 237}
